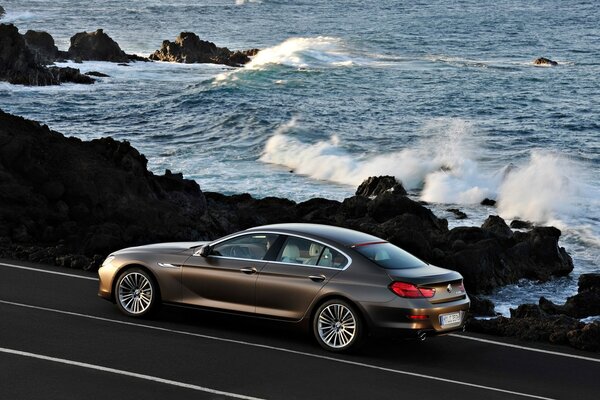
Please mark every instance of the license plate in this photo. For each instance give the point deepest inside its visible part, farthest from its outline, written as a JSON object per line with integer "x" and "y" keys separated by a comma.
{"x": 450, "y": 319}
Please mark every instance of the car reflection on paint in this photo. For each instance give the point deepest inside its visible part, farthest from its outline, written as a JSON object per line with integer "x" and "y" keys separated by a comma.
{"x": 341, "y": 284}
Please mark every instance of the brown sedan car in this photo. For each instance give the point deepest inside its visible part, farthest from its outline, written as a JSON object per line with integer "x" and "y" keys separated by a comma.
{"x": 340, "y": 283}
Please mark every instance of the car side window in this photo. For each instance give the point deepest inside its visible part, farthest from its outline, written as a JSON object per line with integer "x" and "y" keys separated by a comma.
{"x": 251, "y": 247}
{"x": 306, "y": 252}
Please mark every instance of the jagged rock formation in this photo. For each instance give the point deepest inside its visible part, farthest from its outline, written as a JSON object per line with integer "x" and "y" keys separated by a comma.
{"x": 189, "y": 48}
{"x": 96, "y": 46}
{"x": 19, "y": 66}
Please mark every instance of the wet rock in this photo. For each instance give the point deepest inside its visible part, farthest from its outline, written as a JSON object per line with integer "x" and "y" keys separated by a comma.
{"x": 488, "y": 202}
{"x": 497, "y": 226}
{"x": 457, "y": 213}
{"x": 18, "y": 64}
{"x": 189, "y": 48}
{"x": 481, "y": 307}
{"x": 96, "y": 46}
{"x": 376, "y": 185}
{"x": 585, "y": 303}
{"x": 68, "y": 74}
{"x": 97, "y": 74}
{"x": 41, "y": 44}
{"x": 518, "y": 224}
{"x": 545, "y": 61}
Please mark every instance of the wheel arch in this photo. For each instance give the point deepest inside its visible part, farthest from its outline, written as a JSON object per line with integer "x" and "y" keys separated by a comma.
{"x": 333, "y": 296}
{"x": 126, "y": 268}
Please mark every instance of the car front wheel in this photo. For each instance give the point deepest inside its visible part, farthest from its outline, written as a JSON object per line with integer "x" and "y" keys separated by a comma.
{"x": 136, "y": 292}
{"x": 337, "y": 326}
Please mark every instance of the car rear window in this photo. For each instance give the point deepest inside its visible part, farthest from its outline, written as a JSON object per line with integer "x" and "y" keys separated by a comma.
{"x": 388, "y": 256}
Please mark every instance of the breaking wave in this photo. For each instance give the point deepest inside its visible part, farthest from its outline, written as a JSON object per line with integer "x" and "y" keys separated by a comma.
{"x": 443, "y": 169}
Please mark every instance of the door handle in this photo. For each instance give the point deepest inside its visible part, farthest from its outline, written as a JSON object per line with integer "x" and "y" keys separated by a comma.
{"x": 248, "y": 271}
{"x": 317, "y": 278}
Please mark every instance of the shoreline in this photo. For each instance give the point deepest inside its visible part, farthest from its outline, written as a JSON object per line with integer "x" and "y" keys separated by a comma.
{"x": 70, "y": 202}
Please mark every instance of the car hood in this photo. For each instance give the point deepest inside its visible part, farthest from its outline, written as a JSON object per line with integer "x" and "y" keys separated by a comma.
{"x": 425, "y": 274}
{"x": 171, "y": 248}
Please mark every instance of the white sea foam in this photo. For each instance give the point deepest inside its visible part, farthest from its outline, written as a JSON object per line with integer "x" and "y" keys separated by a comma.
{"x": 242, "y": 2}
{"x": 303, "y": 52}
{"x": 543, "y": 189}
{"x": 17, "y": 16}
{"x": 445, "y": 167}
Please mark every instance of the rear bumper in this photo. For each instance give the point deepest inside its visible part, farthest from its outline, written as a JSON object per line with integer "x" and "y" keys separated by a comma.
{"x": 394, "y": 317}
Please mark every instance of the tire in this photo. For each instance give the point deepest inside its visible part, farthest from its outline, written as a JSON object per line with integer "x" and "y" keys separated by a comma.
{"x": 338, "y": 327}
{"x": 136, "y": 293}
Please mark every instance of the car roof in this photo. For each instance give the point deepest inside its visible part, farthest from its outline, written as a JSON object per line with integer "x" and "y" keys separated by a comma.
{"x": 343, "y": 236}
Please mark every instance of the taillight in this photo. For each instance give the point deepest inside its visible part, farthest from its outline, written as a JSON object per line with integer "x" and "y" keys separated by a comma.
{"x": 410, "y": 291}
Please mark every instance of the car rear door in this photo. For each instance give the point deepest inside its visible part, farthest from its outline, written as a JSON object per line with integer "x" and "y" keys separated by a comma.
{"x": 287, "y": 286}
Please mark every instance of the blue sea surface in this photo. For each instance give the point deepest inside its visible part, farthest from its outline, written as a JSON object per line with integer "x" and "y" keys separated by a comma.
{"x": 442, "y": 94}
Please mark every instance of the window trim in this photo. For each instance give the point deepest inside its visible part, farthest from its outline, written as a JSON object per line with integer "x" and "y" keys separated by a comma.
{"x": 348, "y": 258}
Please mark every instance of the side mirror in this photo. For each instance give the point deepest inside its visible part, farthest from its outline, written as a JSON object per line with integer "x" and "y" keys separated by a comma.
{"x": 204, "y": 251}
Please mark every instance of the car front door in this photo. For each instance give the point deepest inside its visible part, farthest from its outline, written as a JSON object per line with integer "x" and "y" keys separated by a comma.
{"x": 287, "y": 286}
{"x": 226, "y": 278}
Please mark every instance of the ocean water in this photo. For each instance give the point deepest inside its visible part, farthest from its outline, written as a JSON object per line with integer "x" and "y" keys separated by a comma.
{"x": 441, "y": 94}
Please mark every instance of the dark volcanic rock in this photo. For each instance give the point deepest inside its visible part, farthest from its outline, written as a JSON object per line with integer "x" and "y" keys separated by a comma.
{"x": 96, "y": 46}
{"x": 68, "y": 74}
{"x": 18, "y": 64}
{"x": 189, "y": 48}
{"x": 488, "y": 260}
{"x": 375, "y": 185}
{"x": 488, "y": 202}
{"x": 2, "y": 12}
{"x": 88, "y": 198}
{"x": 544, "y": 61}
{"x": 518, "y": 224}
{"x": 543, "y": 328}
{"x": 96, "y": 73}
{"x": 457, "y": 213}
{"x": 481, "y": 307}
{"x": 41, "y": 45}
{"x": 497, "y": 226}
{"x": 585, "y": 303}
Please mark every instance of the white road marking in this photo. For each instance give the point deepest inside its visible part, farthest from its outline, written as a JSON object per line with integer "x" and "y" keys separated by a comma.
{"x": 556, "y": 353}
{"x": 91, "y": 278}
{"x": 263, "y": 346}
{"x": 127, "y": 373}
{"x": 516, "y": 346}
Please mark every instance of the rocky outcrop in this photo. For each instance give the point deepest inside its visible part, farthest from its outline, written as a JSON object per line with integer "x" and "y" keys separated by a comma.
{"x": 189, "y": 48}
{"x": 98, "y": 196}
{"x": 41, "y": 45}
{"x": 374, "y": 185}
{"x": 542, "y": 328}
{"x": 71, "y": 202}
{"x": 545, "y": 61}
{"x": 585, "y": 303}
{"x": 548, "y": 322}
{"x": 18, "y": 65}
{"x": 2, "y": 12}
{"x": 96, "y": 46}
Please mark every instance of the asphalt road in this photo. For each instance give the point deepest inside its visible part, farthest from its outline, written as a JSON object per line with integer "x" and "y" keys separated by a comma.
{"x": 58, "y": 340}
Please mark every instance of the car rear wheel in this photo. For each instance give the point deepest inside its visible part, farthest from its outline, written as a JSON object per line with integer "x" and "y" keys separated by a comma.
{"x": 337, "y": 326}
{"x": 136, "y": 292}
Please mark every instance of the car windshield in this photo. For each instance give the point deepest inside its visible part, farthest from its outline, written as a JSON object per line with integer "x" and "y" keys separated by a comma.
{"x": 388, "y": 256}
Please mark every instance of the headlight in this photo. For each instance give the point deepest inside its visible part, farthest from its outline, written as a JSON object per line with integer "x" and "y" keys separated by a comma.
{"x": 108, "y": 260}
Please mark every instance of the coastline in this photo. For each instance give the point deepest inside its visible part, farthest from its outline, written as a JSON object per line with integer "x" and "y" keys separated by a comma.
{"x": 70, "y": 202}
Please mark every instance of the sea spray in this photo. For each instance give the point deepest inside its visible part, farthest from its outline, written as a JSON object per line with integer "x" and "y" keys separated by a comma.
{"x": 540, "y": 190}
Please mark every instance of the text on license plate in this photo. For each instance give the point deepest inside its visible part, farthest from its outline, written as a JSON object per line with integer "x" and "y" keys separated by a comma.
{"x": 450, "y": 319}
